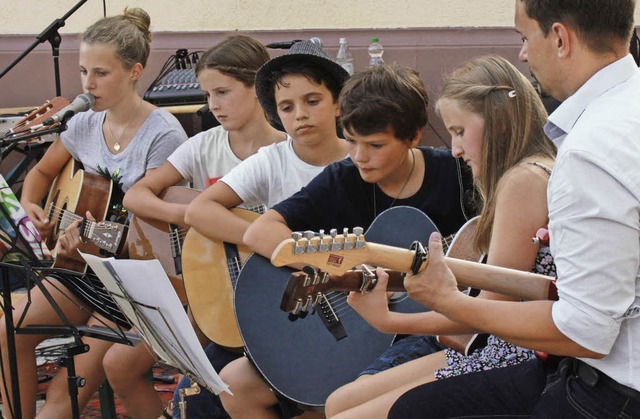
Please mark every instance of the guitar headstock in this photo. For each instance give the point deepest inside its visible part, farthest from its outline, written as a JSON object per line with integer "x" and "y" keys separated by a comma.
{"x": 36, "y": 117}
{"x": 306, "y": 288}
{"x": 332, "y": 253}
{"x": 106, "y": 235}
{"x": 303, "y": 292}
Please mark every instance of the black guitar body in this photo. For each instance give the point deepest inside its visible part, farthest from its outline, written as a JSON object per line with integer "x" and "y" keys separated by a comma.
{"x": 302, "y": 359}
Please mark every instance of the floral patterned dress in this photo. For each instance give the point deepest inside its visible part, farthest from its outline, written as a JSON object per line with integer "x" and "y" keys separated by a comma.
{"x": 497, "y": 353}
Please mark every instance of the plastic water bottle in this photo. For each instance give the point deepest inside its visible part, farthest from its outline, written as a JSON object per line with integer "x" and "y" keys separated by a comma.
{"x": 375, "y": 52}
{"x": 344, "y": 57}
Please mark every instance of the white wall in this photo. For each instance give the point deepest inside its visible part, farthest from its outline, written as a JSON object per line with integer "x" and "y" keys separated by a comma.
{"x": 33, "y": 16}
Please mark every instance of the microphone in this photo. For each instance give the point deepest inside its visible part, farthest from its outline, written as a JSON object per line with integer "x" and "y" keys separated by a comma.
{"x": 81, "y": 103}
{"x": 289, "y": 44}
{"x": 282, "y": 45}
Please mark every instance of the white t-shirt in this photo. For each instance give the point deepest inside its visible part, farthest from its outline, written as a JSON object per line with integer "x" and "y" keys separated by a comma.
{"x": 205, "y": 158}
{"x": 274, "y": 173}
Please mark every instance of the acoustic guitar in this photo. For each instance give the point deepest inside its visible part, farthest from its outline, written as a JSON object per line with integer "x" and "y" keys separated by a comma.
{"x": 72, "y": 194}
{"x": 154, "y": 239}
{"x": 306, "y": 360}
{"x": 210, "y": 272}
{"x": 353, "y": 250}
{"x": 305, "y": 290}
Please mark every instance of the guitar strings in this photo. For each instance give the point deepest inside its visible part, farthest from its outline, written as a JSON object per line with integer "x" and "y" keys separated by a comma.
{"x": 65, "y": 217}
{"x": 338, "y": 302}
{"x": 234, "y": 266}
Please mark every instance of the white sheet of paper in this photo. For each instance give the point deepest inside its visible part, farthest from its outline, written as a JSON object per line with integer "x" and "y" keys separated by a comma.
{"x": 168, "y": 331}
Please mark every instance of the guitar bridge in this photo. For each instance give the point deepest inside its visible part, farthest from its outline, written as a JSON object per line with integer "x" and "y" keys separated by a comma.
{"x": 331, "y": 320}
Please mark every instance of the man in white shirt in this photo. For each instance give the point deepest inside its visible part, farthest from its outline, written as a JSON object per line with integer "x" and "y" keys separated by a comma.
{"x": 578, "y": 51}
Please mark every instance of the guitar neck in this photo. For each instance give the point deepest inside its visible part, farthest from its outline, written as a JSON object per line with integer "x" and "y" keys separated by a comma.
{"x": 353, "y": 281}
{"x": 512, "y": 282}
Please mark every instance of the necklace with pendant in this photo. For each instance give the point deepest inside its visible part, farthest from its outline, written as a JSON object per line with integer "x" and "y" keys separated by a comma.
{"x": 116, "y": 145}
{"x": 406, "y": 181}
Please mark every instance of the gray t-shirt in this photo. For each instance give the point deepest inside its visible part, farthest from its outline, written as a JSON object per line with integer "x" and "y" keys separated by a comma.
{"x": 154, "y": 142}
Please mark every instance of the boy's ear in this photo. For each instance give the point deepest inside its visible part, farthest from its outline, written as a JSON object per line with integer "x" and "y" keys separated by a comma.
{"x": 416, "y": 139}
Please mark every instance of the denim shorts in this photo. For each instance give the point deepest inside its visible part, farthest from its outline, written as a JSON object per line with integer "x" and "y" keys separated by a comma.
{"x": 405, "y": 348}
{"x": 205, "y": 404}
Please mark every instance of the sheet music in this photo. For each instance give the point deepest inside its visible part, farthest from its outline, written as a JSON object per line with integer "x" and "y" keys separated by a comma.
{"x": 8, "y": 235}
{"x": 156, "y": 311}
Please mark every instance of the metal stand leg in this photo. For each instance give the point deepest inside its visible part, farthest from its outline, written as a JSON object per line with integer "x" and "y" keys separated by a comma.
{"x": 74, "y": 382}
{"x": 14, "y": 403}
{"x": 184, "y": 392}
{"x": 107, "y": 402}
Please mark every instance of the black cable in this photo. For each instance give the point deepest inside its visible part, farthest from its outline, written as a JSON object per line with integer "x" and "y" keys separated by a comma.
{"x": 167, "y": 67}
{"x": 438, "y": 135}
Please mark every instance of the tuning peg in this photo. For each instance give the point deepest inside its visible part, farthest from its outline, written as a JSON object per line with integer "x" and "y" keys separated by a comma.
{"x": 348, "y": 245}
{"x": 311, "y": 247}
{"x": 359, "y": 233}
{"x": 542, "y": 237}
{"x": 335, "y": 245}
{"x": 312, "y": 273}
{"x": 324, "y": 277}
{"x": 323, "y": 247}
{"x": 296, "y": 236}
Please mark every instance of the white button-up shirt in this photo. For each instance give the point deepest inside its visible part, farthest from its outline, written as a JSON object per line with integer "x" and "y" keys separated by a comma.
{"x": 594, "y": 218}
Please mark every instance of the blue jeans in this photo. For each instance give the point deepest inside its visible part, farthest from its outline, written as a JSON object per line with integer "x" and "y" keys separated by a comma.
{"x": 404, "y": 349}
{"x": 205, "y": 404}
{"x": 531, "y": 389}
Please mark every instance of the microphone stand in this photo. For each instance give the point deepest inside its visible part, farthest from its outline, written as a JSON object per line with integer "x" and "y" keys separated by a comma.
{"x": 14, "y": 138}
{"x": 52, "y": 35}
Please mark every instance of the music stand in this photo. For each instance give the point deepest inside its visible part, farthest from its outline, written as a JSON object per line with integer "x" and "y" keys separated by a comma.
{"x": 35, "y": 277}
{"x": 31, "y": 260}
{"x": 21, "y": 244}
{"x": 156, "y": 311}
